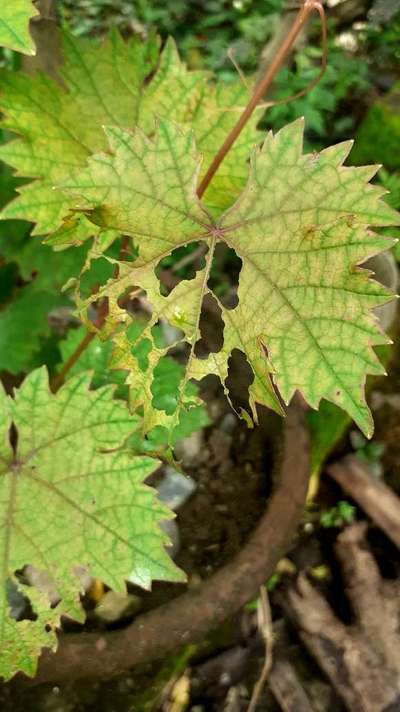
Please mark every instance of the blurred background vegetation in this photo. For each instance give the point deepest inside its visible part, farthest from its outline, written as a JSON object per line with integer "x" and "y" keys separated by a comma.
{"x": 364, "y": 52}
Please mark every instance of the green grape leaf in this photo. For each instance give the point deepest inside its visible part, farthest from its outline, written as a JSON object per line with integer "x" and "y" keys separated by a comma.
{"x": 24, "y": 315}
{"x": 59, "y": 127}
{"x": 22, "y": 642}
{"x": 72, "y": 496}
{"x": 300, "y": 227}
{"x": 14, "y": 25}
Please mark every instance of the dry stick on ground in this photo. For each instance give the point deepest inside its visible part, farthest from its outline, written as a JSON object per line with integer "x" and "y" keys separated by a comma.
{"x": 375, "y": 498}
{"x": 362, "y": 660}
{"x": 286, "y": 687}
{"x": 195, "y": 613}
{"x": 265, "y": 626}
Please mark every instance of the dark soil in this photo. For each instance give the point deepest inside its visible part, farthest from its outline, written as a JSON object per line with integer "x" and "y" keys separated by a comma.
{"x": 232, "y": 489}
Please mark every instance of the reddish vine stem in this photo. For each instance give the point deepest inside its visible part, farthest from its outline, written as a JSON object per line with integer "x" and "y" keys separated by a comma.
{"x": 262, "y": 87}
{"x": 58, "y": 380}
{"x": 305, "y": 11}
{"x": 324, "y": 59}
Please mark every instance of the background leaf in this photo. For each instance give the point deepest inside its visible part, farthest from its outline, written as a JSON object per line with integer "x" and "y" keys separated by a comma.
{"x": 14, "y": 25}
{"x": 104, "y": 84}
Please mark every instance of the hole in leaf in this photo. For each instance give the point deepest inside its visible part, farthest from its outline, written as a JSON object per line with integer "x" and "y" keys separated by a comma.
{"x": 166, "y": 334}
{"x": 127, "y": 250}
{"x": 99, "y": 272}
{"x": 20, "y": 605}
{"x": 167, "y": 376}
{"x": 140, "y": 347}
{"x": 224, "y": 275}
{"x": 181, "y": 263}
{"x": 240, "y": 378}
{"x": 141, "y": 353}
{"x": 13, "y": 438}
{"x": 211, "y": 328}
{"x": 128, "y": 299}
{"x": 190, "y": 420}
{"x": 98, "y": 310}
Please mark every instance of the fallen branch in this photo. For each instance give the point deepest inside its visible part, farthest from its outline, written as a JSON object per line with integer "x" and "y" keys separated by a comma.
{"x": 287, "y": 688}
{"x": 362, "y": 660}
{"x": 265, "y": 627}
{"x": 373, "y": 496}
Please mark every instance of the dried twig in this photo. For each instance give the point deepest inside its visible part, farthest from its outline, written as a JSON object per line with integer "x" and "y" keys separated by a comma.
{"x": 362, "y": 660}
{"x": 287, "y": 688}
{"x": 375, "y": 498}
{"x": 265, "y": 626}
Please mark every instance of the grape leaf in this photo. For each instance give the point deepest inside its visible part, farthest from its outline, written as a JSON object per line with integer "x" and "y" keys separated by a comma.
{"x": 71, "y": 496}
{"x": 304, "y": 317}
{"x": 215, "y": 116}
{"x": 14, "y": 25}
{"x": 59, "y": 127}
{"x": 22, "y": 642}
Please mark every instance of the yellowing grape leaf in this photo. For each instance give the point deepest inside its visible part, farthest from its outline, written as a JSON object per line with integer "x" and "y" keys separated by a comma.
{"x": 300, "y": 227}
{"x": 14, "y": 25}
{"x": 59, "y": 127}
{"x": 22, "y": 642}
{"x": 71, "y": 496}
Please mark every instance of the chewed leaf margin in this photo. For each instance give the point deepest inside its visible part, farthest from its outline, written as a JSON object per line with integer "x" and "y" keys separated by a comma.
{"x": 301, "y": 228}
